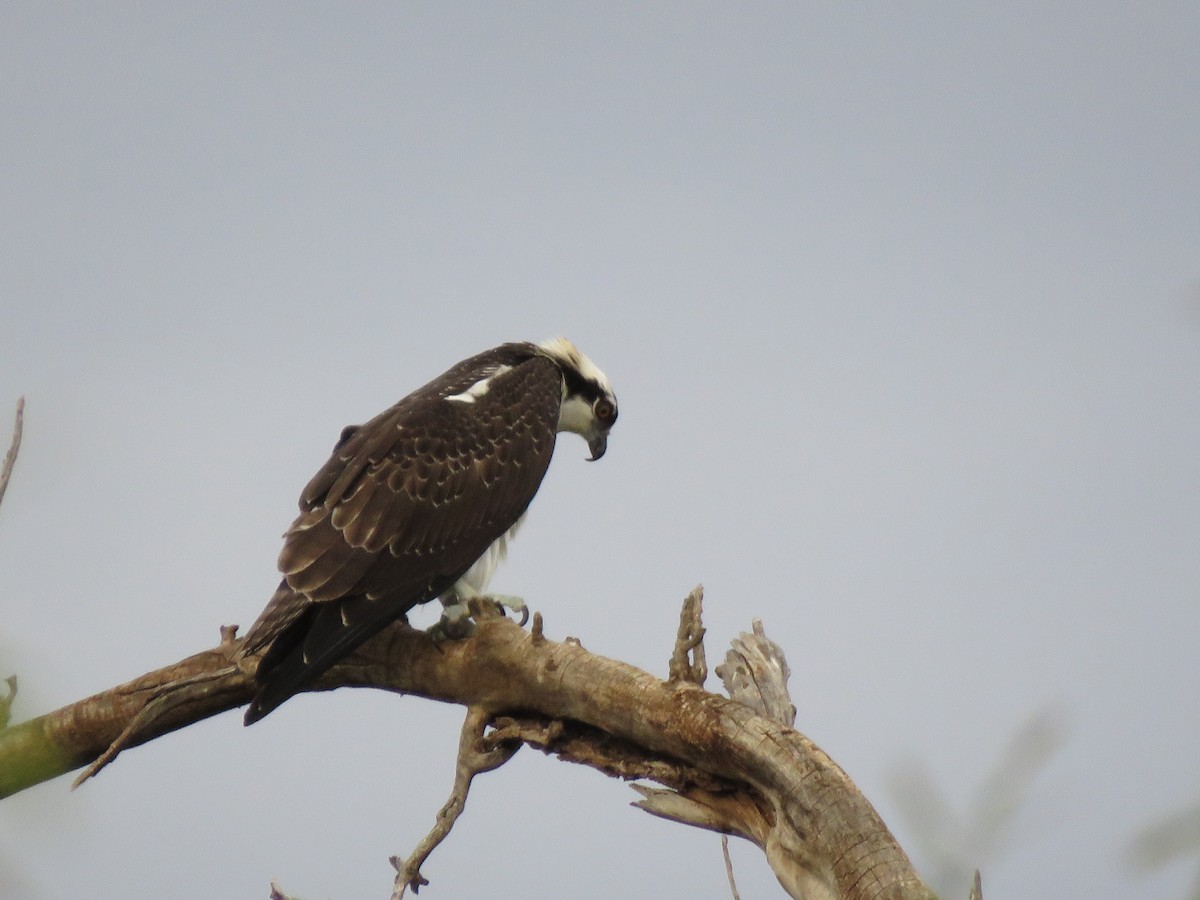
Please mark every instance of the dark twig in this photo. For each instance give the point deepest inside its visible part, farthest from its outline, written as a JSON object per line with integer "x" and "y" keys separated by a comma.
{"x": 277, "y": 893}
{"x": 472, "y": 760}
{"x": 10, "y": 458}
{"x": 687, "y": 660}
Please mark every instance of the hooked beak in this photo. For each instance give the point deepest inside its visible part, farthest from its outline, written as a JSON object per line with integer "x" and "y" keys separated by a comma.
{"x": 598, "y": 444}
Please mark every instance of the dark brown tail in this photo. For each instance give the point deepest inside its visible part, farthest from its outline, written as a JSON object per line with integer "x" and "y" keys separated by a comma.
{"x": 312, "y": 642}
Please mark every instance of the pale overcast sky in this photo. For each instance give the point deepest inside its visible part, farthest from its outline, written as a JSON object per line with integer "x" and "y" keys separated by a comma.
{"x": 902, "y": 305}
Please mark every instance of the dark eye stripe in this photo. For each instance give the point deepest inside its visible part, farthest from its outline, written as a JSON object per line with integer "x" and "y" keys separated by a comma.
{"x": 578, "y": 386}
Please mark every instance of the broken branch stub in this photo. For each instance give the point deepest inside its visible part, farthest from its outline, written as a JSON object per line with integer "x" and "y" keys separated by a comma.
{"x": 756, "y": 673}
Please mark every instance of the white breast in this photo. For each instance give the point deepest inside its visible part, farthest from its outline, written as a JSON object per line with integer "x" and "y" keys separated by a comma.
{"x": 477, "y": 578}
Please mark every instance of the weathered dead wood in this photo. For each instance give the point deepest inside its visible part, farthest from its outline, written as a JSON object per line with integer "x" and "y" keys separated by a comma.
{"x": 473, "y": 759}
{"x": 742, "y": 773}
{"x": 687, "y": 661}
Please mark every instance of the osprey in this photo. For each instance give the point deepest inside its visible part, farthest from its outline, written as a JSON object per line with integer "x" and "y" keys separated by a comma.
{"x": 420, "y": 502}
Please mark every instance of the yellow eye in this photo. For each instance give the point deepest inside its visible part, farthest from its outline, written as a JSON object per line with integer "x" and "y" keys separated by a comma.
{"x": 604, "y": 411}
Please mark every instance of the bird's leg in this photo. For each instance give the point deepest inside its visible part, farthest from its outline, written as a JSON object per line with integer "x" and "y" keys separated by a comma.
{"x": 466, "y": 593}
{"x": 456, "y": 620}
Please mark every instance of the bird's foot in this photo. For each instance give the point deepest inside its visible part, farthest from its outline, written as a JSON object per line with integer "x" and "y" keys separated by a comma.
{"x": 456, "y": 623}
{"x": 508, "y": 601}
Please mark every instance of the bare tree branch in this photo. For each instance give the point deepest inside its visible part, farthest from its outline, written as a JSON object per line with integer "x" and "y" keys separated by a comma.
{"x": 730, "y": 768}
{"x": 755, "y": 673}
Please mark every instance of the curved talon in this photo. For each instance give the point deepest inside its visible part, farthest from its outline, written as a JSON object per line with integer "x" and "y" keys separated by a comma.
{"x": 516, "y": 604}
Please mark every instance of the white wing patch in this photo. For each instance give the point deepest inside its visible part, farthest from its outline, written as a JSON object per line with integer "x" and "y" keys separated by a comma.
{"x": 479, "y": 388}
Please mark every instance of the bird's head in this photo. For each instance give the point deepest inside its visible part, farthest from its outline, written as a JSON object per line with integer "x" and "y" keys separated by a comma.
{"x": 589, "y": 406}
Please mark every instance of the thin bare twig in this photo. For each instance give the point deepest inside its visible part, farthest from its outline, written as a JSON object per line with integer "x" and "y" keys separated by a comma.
{"x": 729, "y": 867}
{"x": 170, "y": 696}
{"x": 10, "y": 458}
{"x": 472, "y": 760}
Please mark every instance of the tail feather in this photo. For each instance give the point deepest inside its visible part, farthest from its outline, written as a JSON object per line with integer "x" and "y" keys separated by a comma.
{"x": 284, "y": 608}
{"x": 312, "y": 642}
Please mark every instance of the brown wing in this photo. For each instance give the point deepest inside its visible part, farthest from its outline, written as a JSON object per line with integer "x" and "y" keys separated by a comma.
{"x": 404, "y": 506}
{"x": 423, "y": 491}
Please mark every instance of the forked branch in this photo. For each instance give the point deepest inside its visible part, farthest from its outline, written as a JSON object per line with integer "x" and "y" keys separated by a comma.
{"x": 729, "y": 768}
{"x": 473, "y": 759}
